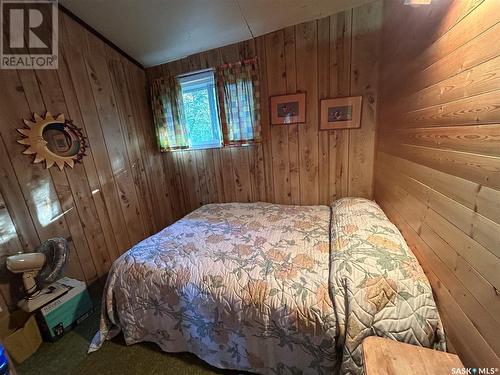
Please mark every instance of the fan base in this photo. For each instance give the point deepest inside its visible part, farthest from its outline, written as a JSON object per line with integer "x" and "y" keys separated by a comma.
{"x": 43, "y": 297}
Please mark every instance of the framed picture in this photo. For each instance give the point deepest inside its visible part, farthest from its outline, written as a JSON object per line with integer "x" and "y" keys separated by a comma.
{"x": 288, "y": 109}
{"x": 340, "y": 113}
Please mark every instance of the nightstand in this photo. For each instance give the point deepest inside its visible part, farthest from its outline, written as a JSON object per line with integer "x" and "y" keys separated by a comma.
{"x": 388, "y": 357}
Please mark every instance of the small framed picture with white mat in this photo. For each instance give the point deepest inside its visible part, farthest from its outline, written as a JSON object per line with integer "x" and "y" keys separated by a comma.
{"x": 288, "y": 109}
{"x": 340, "y": 113}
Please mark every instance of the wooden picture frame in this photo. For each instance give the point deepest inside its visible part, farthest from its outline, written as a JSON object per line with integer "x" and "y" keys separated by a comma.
{"x": 288, "y": 109}
{"x": 340, "y": 113}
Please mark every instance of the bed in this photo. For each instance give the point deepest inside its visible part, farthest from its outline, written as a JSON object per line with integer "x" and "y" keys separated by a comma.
{"x": 272, "y": 289}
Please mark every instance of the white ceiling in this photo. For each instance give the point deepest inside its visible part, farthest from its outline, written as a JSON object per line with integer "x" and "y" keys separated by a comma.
{"x": 157, "y": 31}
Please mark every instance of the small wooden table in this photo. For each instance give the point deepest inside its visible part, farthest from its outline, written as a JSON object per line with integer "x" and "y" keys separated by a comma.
{"x": 389, "y": 357}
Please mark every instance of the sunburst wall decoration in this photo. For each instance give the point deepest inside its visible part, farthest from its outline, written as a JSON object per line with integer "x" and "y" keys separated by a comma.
{"x": 53, "y": 140}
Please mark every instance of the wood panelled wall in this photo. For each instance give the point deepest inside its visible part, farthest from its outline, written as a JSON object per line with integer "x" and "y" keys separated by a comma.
{"x": 331, "y": 57}
{"x": 125, "y": 190}
{"x": 438, "y": 159}
{"x": 104, "y": 205}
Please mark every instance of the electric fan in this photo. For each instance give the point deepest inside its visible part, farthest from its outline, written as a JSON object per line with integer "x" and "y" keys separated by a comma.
{"x": 40, "y": 269}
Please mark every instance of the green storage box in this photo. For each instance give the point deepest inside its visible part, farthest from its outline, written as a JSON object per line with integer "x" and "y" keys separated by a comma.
{"x": 65, "y": 312}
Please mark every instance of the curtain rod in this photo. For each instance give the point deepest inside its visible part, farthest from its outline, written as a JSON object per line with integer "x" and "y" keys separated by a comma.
{"x": 194, "y": 72}
{"x": 247, "y": 61}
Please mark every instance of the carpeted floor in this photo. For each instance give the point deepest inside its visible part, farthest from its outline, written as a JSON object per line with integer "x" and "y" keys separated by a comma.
{"x": 69, "y": 355}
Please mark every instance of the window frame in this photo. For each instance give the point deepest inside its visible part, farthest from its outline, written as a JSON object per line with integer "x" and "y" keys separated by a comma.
{"x": 202, "y": 76}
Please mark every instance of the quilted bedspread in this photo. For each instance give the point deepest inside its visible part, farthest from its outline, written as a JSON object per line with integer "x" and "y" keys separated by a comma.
{"x": 272, "y": 289}
{"x": 378, "y": 286}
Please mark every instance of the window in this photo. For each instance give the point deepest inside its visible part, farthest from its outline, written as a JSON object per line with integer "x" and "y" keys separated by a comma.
{"x": 199, "y": 103}
{"x": 186, "y": 108}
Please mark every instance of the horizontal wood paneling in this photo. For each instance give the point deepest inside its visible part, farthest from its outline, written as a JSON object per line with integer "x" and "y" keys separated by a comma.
{"x": 297, "y": 164}
{"x": 438, "y": 159}
{"x": 110, "y": 201}
{"x": 476, "y": 139}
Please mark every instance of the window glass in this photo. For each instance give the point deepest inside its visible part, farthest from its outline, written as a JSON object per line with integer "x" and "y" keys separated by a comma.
{"x": 200, "y": 110}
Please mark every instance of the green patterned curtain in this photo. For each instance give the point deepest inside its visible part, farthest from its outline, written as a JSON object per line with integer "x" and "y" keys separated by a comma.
{"x": 166, "y": 100}
{"x": 239, "y": 102}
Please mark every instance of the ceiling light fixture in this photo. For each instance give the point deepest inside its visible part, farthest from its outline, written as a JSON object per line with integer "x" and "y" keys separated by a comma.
{"x": 416, "y": 3}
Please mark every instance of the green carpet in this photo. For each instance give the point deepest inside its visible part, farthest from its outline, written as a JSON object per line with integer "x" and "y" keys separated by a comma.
{"x": 69, "y": 355}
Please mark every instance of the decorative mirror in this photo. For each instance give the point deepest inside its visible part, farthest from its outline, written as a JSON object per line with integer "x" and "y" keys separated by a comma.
{"x": 56, "y": 140}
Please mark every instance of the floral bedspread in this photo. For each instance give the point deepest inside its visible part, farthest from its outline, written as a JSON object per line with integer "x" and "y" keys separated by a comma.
{"x": 242, "y": 286}
{"x": 378, "y": 286}
{"x": 249, "y": 286}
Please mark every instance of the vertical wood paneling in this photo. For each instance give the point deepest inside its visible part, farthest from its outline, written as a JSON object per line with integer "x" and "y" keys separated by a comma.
{"x": 102, "y": 88}
{"x": 366, "y": 24}
{"x": 241, "y": 178}
{"x": 9, "y": 245}
{"x": 295, "y": 164}
{"x": 306, "y": 45}
{"x": 323, "y": 93}
{"x": 14, "y": 199}
{"x": 74, "y": 192}
{"x": 125, "y": 190}
{"x": 84, "y": 181}
{"x": 438, "y": 159}
{"x": 340, "y": 85}
{"x": 276, "y": 85}
{"x": 265, "y": 120}
{"x": 103, "y": 187}
{"x": 293, "y": 129}
{"x": 107, "y": 203}
{"x": 121, "y": 87}
{"x": 35, "y": 182}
